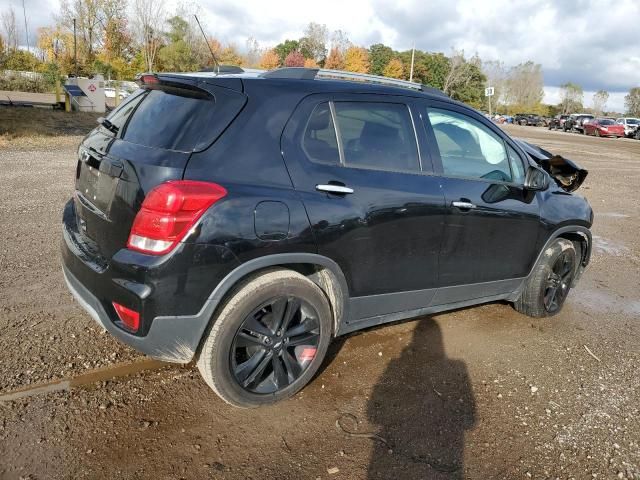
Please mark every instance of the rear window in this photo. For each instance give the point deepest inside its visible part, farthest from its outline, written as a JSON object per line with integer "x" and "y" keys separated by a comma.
{"x": 170, "y": 119}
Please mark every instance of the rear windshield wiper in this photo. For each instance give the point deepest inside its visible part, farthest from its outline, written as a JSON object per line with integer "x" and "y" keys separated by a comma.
{"x": 108, "y": 125}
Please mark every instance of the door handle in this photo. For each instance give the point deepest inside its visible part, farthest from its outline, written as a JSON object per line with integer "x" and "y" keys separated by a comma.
{"x": 464, "y": 205}
{"x": 336, "y": 189}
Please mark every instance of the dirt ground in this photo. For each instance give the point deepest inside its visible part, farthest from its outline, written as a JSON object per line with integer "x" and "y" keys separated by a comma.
{"x": 477, "y": 393}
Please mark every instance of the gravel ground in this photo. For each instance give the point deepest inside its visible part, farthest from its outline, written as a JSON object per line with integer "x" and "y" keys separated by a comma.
{"x": 477, "y": 393}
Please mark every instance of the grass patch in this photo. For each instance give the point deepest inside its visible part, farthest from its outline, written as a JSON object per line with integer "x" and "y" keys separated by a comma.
{"x": 29, "y": 123}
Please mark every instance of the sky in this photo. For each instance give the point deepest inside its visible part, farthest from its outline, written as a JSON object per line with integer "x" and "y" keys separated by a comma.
{"x": 593, "y": 43}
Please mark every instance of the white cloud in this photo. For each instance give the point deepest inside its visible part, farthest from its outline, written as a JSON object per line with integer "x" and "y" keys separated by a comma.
{"x": 589, "y": 42}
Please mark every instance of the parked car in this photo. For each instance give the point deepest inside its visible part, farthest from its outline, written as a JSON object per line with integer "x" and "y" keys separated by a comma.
{"x": 576, "y": 121}
{"x": 557, "y": 122}
{"x": 603, "y": 127}
{"x": 528, "y": 119}
{"x": 111, "y": 93}
{"x": 631, "y": 125}
{"x": 265, "y": 214}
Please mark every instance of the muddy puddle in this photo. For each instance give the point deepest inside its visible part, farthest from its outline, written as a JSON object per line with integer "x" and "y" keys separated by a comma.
{"x": 85, "y": 379}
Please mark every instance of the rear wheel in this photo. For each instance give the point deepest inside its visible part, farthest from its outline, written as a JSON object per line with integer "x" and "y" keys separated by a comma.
{"x": 547, "y": 287}
{"x": 268, "y": 340}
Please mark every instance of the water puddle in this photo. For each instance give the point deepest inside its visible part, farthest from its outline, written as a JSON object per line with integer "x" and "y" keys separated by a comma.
{"x": 93, "y": 376}
{"x": 609, "y": 247}
{"x": 611, "y": 215}
{"x": 603, "y": 302}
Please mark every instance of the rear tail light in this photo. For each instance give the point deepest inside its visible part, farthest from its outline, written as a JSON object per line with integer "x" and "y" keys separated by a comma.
{"x": 168, "y": 213}
{"x": 129, "y": 318}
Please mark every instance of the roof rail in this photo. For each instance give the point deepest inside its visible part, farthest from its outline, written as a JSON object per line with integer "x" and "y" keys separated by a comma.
{"x": 224, "y": 69}
{"x": 301, "y": 73}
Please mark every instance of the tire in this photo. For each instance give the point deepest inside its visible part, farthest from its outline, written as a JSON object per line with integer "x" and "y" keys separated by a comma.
{"x": 234, "y": 349}
{"x": 556, "y": 269}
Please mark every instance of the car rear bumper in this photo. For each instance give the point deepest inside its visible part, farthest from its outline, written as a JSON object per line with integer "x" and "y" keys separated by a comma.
{"x": 170, "y": 292}
{"x": 170, "y": 339}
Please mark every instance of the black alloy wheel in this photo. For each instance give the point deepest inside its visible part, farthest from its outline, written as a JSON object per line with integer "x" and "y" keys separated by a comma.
{"x": 275, "y": 344}
{"x": 558, "y": 282}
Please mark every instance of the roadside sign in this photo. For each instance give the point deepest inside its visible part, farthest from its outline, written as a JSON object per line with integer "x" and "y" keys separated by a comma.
{"x": 488, "y": 92}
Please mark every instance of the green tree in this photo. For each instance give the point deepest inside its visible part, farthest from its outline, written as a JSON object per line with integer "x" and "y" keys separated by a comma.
{"x": 285, "y": 48}
{"x": 600, "y": 101}
{"x": 379, "y": 57}
{"x": 21, "y": 60}
{"x": 632, "y": 102}
{"x": 313, "y": 44}
{"x": 571, "y": 95}
{"x": 178, "y": 55}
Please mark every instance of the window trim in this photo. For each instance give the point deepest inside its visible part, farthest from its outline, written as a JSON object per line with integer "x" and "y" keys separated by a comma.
{"x": 343, "y": 163}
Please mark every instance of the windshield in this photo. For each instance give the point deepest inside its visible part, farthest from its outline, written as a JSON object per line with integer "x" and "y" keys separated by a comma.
{"x": 605, "y": 121}
{"x": 633, "y": 121}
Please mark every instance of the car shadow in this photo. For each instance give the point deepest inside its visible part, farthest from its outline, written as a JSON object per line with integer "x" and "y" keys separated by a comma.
{"x": 422, "y": 406}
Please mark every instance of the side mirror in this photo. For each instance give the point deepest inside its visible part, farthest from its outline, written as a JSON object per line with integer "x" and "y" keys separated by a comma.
{"x": 536, "y": 179}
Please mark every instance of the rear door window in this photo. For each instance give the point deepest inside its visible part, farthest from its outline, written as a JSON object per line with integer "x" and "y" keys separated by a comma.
{"x": 377, "y": 135}
{"x": 171, "y": 119}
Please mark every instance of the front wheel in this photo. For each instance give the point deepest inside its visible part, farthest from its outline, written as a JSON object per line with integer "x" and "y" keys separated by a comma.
{"x": 268, "y": 340}
{"x": 547, "y": 287}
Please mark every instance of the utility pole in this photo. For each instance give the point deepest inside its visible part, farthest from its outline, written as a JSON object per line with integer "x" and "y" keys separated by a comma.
{"x": 75, "y": 48}
{"x": 26, "y": 30}
{"x": 413, "y": 55}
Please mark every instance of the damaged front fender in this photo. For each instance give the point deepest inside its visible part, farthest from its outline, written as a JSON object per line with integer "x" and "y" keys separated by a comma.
{"x": 567, "y": 174}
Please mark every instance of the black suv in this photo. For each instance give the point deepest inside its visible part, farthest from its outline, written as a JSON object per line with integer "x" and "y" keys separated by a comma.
{"x": 557, "y": 122}
{"x": 246, "y": 219}
{"x": 575, "y": 122}
{"x": 529, "y": 119}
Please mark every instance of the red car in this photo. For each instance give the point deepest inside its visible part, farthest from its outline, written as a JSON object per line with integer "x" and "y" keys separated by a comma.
{"x": 603, "y": 127}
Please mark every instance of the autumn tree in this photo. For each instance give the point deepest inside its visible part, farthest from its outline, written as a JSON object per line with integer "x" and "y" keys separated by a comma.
{"x": 600, "y": 101}
{"x": 335, "y": 60}
{"x": 252, "y": 58}
{"x": 10, "y": 27}
{"x": 496, "y": 74}
{"x": 394, "y": 69}
{"x": 632, "y": 102}
{"x": 571, "y": 95}
{"x": 313, "y": 44}
{"x": 340, "y": 41}
{"x": 88, "y": 15}
{"x": 525, "y": 86}
{"x": 149, "y": 17}
{"x": 269, "y": 60}
{"x": 379, "y": 57}
{"x": 285, "y": 48}
{"x": 310, "y": 63}
{"x": 356, "y": 59}
{"x": 294, "y": 59}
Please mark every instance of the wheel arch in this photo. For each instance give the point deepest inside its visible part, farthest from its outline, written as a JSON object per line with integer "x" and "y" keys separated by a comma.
{"x": 323, "y": 271}
{"x": 580, "y": 236}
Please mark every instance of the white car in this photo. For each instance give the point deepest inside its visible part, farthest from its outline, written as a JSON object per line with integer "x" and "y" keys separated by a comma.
{"x": 111, "y": 93}
{"x": 630, "y": 125}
